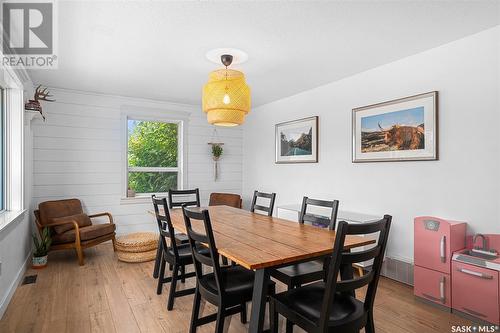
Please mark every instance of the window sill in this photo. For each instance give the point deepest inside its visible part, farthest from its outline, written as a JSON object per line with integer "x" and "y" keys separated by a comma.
{"x": 8, "y": 218}
{"x": 140, "y": 199}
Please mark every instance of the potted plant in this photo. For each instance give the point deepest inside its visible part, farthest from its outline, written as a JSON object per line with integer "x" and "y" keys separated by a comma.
{"x": 41, "y": 249}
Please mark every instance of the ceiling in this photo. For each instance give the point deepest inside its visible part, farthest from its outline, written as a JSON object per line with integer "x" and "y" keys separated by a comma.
{"x": 157, "y": 49}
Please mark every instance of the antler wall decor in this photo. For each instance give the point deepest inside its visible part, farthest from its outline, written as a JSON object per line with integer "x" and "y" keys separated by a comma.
{"x": 41, "y": 94}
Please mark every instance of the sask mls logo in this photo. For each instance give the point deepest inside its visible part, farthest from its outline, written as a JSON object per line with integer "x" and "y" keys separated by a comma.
{"x": 29, "y": 34}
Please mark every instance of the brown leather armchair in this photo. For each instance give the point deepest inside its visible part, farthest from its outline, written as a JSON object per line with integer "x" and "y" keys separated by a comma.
{"x": 71, "y": 228}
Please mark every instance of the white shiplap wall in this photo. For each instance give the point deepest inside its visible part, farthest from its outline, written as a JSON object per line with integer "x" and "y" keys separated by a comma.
{"x": 78, "y": 152}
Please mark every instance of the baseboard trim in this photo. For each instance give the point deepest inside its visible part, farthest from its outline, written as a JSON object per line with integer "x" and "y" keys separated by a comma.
{"x": 5, "y": 302}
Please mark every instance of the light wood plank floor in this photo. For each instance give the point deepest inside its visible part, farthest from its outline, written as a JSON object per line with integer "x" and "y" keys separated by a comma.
{"x": 106, "y": 295}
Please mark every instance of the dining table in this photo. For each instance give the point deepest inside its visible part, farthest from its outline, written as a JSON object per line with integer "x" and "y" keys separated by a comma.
{"x": 262, "y": 243}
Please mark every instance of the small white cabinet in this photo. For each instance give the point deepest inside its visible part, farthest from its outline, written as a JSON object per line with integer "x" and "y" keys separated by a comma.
{"x": 291, "y": 212}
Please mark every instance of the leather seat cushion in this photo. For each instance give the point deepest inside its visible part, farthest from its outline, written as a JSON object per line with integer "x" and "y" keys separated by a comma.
{"x": 226, "y": 199}
{"x": 82, "y": 219}
{"x": 308, "y": 300}
{"x": 238, "y": 282}
{"x": 303, "y": 268}
{"x": 86, "y": 233}
{"x": 184, "y": 251}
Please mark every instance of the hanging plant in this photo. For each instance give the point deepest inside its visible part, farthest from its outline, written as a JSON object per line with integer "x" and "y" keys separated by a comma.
{"x": 217, "y": 151}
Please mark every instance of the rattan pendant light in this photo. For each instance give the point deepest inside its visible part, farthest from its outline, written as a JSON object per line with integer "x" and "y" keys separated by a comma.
{"x": 226, "y": 96}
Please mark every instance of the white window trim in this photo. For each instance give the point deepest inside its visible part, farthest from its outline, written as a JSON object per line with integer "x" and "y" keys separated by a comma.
{"x": 181, "y": 118}
{"x": 13, "y": 105}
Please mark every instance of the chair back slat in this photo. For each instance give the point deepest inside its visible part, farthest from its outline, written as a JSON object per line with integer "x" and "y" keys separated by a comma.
{"x": 329, "y": 221}
{"x": 201, "y": 216}
{"x": 260, "y": 207}
{"x": 341, "y": 258}
{"x": 363, "y": 228}
{"x": 165, "y": 226}
{"x": 355, "y": 283}
{"x": 176, "y": 194}
{"x": 357, "y": 257}
{"x": 316, "y": 219}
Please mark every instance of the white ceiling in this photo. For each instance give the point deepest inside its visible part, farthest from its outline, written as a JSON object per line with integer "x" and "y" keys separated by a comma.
{"x": 157, "y": 49}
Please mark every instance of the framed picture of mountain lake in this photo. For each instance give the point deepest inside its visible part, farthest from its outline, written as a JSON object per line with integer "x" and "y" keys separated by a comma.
{"x": 297, "y": 141}
{"x": 405, "y": 129}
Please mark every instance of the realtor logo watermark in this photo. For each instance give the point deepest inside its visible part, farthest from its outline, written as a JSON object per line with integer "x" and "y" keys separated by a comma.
{"x": 29, "y": 34}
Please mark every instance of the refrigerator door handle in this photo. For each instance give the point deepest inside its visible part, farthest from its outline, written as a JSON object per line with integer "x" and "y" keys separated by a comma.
{"x": 441, "y": 290}
{"x": 442, "y": 249}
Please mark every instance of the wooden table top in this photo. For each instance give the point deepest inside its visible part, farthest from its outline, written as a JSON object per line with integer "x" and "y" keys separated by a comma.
{"x": 256, "y": 241}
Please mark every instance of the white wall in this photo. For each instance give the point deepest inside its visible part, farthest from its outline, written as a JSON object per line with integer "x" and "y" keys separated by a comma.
{"x": 15, "y": 238}
{"x": 463, "y": 184}
{"x": 78, "y": 153}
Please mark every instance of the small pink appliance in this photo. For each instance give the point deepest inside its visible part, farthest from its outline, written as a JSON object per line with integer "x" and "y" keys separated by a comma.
{"x": 476, "y": 276}
{"x": 435, "y": 241}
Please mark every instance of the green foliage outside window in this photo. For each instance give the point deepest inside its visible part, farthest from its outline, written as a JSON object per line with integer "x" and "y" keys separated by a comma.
{"x": 152, "y": 144}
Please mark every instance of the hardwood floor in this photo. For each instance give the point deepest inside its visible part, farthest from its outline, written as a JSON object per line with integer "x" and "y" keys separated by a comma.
{"x": 106, "y": 295}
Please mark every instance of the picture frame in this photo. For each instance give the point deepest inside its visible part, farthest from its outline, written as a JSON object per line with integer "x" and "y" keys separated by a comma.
{"x": 296, "y": 141}
{"x": 404, "y": 129}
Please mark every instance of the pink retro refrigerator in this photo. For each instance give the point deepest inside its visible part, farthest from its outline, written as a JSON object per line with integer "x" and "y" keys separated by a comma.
{"x": 435, "y": 241}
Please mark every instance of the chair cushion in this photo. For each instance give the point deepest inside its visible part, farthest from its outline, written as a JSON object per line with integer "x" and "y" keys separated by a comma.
{"x": 58, "y": 208}
{"x": 226, "y": 199}
{"x": 308, "y": 300}
{"x": 86, "y": 233}
{"x": 302, "y": 273}
{"x": 237, "y": 282}
{"x": 184, "y": 251}
{"x": 82, "y": 219}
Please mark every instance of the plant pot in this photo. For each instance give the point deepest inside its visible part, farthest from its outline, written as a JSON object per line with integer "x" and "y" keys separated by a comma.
{"x": 39, "y": 262}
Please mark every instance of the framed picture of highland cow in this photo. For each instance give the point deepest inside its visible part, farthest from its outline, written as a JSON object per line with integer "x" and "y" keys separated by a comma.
{"x": 405, "y": 129}
{"x": 297, "y": 141}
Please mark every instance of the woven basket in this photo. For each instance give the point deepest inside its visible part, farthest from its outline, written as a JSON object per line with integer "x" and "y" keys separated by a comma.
{"x": 136, "y": 256}
{"x": 137, "y": 242}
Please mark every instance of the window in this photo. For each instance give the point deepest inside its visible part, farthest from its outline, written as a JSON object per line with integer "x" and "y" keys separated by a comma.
{"x": 2, "y": 150}
{"x": 154, "y": 155}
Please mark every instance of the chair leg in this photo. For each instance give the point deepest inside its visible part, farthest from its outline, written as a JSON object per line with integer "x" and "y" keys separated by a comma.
{"x": 224, "y": 261}
{"x": 370, "y": 325}
{"x": 114, "y": 243}
{"x": 243, "y": 313}
{"x": 196, "y": 312}
{"x": 173, "y": 286}
{"x": 79, "y": 253}
{"x": 183, "y": 273}
{"x": 273, "y": 317}
{"x": 219, "y": 326}
{"x": 289, "y": 324}
{"x": 161, "y": 276}
{"x": 158, "y": 259}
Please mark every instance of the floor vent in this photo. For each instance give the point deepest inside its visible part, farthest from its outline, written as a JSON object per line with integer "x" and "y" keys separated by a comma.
{"x": 29, "y": 279}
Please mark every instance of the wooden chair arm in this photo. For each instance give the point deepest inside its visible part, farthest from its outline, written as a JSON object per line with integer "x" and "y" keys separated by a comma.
{"x": 110, "y": 217}
{"x": 75, "y": 226}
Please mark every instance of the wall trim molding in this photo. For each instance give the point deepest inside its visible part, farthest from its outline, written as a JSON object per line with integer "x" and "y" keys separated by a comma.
{"x": 13, "y": 286}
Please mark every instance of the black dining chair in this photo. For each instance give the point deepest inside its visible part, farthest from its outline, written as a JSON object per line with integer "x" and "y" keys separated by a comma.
{"x": 331, "y": 306}
{"x": 185, "y": 198}
{"x": 179, "y": 198}
{"x": 268, "y": 209}
{"x": 309, "y": 271}
{"x": 227, "y": 287}
{"x": 178, "y": 256}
